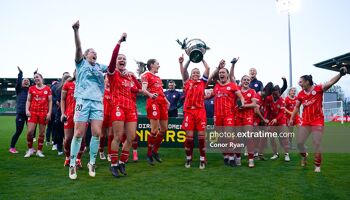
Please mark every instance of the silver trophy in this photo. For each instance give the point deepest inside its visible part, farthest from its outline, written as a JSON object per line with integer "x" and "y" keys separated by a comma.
{"x": 194, "y": 48}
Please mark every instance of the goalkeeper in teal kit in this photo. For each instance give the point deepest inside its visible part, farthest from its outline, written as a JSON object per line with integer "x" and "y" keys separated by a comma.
{"x": 89, "y": 103}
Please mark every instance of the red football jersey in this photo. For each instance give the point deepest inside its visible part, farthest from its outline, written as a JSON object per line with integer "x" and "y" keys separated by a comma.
{"x": 69, "y": 87}
{"x": 276, "y": 108}
{"x": 259, "y": 102}
{"x": 312, "y": 104}
{"x": 107, "y": 101}
{"x": 290, "y": 105}
{"x": 155, "y": 84}
{"x": 120, "y": 88}
{"x": 225, "y": 99}
{"x": 135, "y": 90}
{"x": 40, "y": 99}
{"x": 248, "y": 95}
{"x": 194, "y": 94}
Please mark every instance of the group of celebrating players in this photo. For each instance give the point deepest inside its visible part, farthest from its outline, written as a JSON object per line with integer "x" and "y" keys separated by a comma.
{"x": 105, "y": 97}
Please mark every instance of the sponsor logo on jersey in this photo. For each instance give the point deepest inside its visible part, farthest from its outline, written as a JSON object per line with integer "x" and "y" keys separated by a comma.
{"x": 154, "y": 113}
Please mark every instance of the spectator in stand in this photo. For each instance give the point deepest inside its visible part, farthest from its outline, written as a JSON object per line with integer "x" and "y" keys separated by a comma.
{"x": 22, "y": 87}
{"x": 175, "y": 98}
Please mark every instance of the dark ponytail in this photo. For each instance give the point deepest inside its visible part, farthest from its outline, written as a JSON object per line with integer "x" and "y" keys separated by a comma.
{"x": 143, "y": 66}
{"x": 308, "y": 78}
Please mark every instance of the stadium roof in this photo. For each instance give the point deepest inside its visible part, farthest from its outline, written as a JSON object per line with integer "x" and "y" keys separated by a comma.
{"x": 336, "y": 63}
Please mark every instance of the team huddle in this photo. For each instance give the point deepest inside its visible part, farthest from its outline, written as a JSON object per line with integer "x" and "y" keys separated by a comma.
{"x": 105, "y": 97}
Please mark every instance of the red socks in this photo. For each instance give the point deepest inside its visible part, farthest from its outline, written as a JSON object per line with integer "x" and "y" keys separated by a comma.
{"x": 29, "y": 141}
{"x": 66, "y": 147}
{"x": 135, "y": 142}
{"x": 318, "y": 159}
{"x": 41, "y": 142}
{"x": 201, "y": 145}
{"x": 110, "y": 138}
{"x": 158, "y": 141}
{"x": 150, "y": 140}
{"x": 114, "y": 157}
{"x": 124, "y": 156}
{"x": 189, "y": 144}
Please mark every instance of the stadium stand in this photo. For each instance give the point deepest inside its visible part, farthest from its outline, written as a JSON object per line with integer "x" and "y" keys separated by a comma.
{"x": 8, "y": 95}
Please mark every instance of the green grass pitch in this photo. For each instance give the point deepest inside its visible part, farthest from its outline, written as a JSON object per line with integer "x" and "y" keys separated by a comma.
{"x": 46, "y": 178}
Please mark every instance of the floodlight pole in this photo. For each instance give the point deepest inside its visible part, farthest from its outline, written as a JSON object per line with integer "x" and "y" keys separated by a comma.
{"x": 285, "y": 5}
{"x": 290, "y": 53}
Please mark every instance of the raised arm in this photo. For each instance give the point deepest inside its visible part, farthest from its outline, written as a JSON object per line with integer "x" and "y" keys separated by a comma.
{"x": 213, "y": 75}
{"x": 19, "y": 80}
{"x": 335, "y": 79}
{"x": 184, "y": 69}
{"x": 284, "y": 87}
{"x": 112, "y": 63}
{"x": 78, "y": 50}
{"x": 32, "y": 80}
{"x": 36, "y": 71}
{"x": 207, "y": 69}
{"x": 232, "y": 69}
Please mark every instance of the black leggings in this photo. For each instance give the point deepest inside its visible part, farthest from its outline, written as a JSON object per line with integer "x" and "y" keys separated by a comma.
{"x": 59, "y": 134}
{"x": 50, "y": 130}
{"x": 21, "y": 119}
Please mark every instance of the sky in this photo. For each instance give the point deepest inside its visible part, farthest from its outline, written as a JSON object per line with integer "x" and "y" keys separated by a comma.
{"x": 38, "y": 34}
